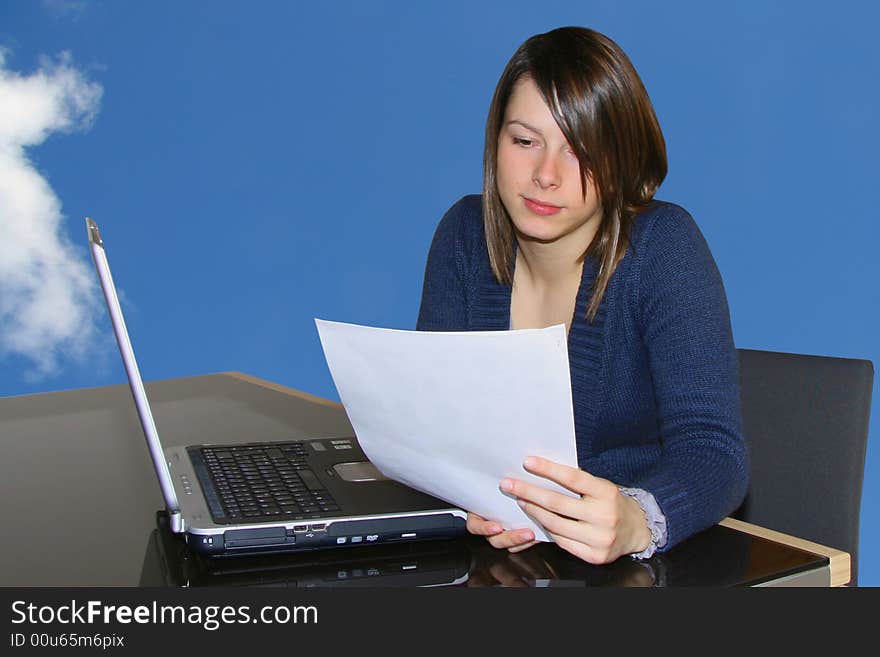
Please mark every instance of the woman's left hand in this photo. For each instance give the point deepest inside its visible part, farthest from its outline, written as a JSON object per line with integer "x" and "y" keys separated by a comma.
{"x": 598, "y": 527}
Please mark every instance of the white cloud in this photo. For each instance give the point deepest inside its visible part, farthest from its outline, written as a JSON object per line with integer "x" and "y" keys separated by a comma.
{"x": 48, "y": 295}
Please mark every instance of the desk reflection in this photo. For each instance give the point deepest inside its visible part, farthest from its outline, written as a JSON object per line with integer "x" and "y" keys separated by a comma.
{"x": 716, "y": 557}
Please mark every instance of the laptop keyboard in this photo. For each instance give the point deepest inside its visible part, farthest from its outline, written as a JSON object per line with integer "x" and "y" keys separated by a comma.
{"x": 259, "y": 481}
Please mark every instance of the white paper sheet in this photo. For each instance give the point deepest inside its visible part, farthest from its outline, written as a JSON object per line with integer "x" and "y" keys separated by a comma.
{"x": 452, "y": 414}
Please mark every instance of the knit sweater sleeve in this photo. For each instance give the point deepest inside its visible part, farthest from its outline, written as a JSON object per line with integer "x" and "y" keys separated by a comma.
{"x": 447, "y": 286}
{"x": 684, "y": 320}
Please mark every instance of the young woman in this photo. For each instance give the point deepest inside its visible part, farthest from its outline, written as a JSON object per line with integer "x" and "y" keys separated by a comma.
{"x": 567, "y": 231}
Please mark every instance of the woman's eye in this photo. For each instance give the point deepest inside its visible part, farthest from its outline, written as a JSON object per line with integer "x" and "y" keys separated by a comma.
{"x": 522, "y": 141}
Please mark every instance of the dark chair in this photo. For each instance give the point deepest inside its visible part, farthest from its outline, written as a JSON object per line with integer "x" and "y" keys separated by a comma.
{"x": 806, "y": 425}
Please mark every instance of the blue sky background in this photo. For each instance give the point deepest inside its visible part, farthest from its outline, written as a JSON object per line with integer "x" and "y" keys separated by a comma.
{"x": 255, "y": 165}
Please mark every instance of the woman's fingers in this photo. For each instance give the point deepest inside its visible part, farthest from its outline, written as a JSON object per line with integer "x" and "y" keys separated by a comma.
{"x": 518, "y": 539}
{"x": 481, "y": 526}
{"x": 521, "y": 547}
{"x": 558, "y": 525}
{"x": 574, "y": 479}
{"x": 515, "y": 538}
{"x": 564, "y": 505}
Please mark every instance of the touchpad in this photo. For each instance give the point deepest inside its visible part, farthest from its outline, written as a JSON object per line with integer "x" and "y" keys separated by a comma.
{"x": 361, "y": 471}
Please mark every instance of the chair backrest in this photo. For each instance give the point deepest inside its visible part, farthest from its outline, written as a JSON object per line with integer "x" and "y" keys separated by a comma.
{"x": 806, "y": 425}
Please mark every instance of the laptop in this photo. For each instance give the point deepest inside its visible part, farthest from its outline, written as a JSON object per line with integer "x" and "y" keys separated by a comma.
{"x": 168, "y": 562}
{"x": 266, "y": 497}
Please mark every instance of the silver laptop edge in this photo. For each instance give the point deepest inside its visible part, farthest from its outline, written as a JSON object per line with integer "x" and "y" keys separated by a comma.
{"x": 96, "y": 246}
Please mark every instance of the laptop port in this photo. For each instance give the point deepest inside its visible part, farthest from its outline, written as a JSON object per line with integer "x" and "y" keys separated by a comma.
{"x": 300, "y": 528}
{"x": 319, "y": 527}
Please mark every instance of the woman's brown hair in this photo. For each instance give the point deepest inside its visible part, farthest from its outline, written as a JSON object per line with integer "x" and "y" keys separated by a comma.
{"x": 603, "y": 109}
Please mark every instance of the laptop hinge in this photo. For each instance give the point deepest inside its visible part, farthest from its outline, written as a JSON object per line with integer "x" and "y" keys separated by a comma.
{"x": 175, "y": 522}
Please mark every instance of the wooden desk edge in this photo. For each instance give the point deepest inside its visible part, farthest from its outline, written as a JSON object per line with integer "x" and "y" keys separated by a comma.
{"x": 283, "y": 389}
{"x": 838, "y": 560}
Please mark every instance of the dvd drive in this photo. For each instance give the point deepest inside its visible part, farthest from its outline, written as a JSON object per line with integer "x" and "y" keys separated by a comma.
{"x": 399, "y": 526}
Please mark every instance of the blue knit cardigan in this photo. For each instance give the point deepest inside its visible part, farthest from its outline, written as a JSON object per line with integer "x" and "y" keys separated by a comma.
{"x": 654, "y": 377}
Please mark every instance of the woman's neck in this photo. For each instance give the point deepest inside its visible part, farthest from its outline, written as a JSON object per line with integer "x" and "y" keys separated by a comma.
{"x": 546, "y": 265}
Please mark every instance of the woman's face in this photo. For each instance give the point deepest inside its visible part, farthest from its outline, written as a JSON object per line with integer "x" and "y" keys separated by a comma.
{"x": 538, "y": 175}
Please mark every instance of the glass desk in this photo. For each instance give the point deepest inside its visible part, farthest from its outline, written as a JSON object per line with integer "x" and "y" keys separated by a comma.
{"x": 79, "y": 498}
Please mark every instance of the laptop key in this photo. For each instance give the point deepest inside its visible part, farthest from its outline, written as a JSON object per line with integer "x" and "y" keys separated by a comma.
{"x": 310, "y": 480}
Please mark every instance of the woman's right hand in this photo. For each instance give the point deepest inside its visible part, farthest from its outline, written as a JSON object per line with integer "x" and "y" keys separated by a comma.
{"x": 513, "y": 540}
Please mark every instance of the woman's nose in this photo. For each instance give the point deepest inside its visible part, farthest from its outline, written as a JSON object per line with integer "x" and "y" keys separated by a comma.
{"x": 546, "y": 174}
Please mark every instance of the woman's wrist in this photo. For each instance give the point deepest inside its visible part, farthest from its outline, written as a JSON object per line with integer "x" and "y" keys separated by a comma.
{"x": 650, "y": 520}
{"x": 641, "y": 533}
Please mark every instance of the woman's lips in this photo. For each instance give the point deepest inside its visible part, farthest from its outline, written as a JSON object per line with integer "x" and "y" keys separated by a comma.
{"x": 538, "y": 207}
